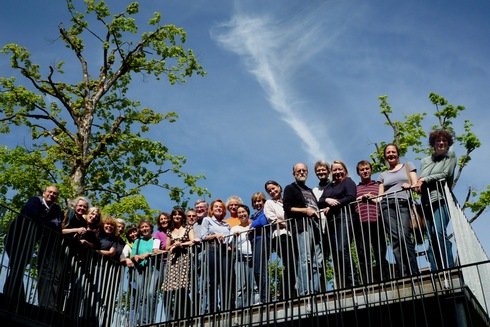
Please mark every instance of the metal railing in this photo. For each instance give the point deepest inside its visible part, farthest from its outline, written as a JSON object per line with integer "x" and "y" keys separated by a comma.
{"x": 326, "y": 268}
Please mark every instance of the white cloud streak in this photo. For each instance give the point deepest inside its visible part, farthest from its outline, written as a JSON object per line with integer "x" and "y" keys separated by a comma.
{"x": 272, "y": 51}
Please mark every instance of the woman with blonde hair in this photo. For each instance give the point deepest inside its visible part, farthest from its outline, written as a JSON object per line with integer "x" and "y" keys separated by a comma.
{"x": 108, "y": 234}
{"x": 335, "y": 201}
{"x": 216, "y": 238}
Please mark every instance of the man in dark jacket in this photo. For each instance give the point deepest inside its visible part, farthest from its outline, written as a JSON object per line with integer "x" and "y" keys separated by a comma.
{"x": 301, "y": 207}
{"x": 38, "y": 222}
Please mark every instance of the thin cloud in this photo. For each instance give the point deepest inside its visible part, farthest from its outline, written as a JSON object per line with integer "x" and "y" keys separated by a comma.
{"x": 272, "y": 51}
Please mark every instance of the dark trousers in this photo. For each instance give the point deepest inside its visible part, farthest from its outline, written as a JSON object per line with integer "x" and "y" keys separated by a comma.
{"x": 22, "y": 236}
{"x": 371, "y": 246}
{"x": 286, "y": 251}
{"x": 396, "y": 215}
{"x": 220, "y": 277}
{"x": 338, "y": 230}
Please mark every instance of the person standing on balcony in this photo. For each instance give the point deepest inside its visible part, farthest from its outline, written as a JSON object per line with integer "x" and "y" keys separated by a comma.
{"x": 435, "y": 170}
{"x": 217, "y": 256}
{"x": 301, "y": 206}
{"x": 322, "y": 172}
{"x": 176, "y": 281}
{"x": 232, "y": 205}
{"x": 146, "y": 277}
{"x": 395, "y": 185}
{"x": 243, "y": 265}
{"x": 260, "y": 245}
{"x": 369, "y": 229}
{"x": 80, "y": 230}
{"x": 163, "y": 223}
{"x": 39, "y": 221}
{"x": 335, "y": 200}
{"x": 201, "y": 209}
{"x": 104, "y": 274}
{"x": 282, "y": 243}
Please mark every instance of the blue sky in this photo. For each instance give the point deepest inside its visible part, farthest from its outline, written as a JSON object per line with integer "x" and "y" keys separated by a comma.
{"x": 296, "y": 81}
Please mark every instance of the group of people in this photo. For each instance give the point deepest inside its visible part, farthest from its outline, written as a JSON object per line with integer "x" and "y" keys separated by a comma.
{"x": 305, "y": 229}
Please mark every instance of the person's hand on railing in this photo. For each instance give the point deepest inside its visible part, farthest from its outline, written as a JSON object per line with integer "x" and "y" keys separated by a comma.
{"x": 418, "y": 186}
{"x": 87, "y": 243}
{"x": 217, "y": 237}
{"x": 311, "y": 212}
{"x": 140, "y": 257}
{"x": 325, "y": 210}
{"x": 158, "y": 251}
{"x": 281, "y": 223}
{"x": 406, "y": 186}
{"x": 175, "y": 245}
{"x": 127, "y": 262}
{"x": 332, "y": 202}
{"x": 368, "y": 197}
{"x": 81, "y": 230}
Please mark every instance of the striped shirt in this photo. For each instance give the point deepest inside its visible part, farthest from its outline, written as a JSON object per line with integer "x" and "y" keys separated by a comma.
{"x": 368, "y": 211}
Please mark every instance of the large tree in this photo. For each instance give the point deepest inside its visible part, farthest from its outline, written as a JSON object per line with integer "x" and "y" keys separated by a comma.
{"x": 88, "y": 135}
{"x": 409, "y": 134}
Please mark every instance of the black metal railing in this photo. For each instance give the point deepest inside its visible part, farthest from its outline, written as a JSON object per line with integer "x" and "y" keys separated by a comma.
{"x": 325, "y": 268}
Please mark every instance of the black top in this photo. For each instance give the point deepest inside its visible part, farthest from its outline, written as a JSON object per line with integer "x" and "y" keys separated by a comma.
{"x": 344, "y": 192}
{"x": 294, "y": 197}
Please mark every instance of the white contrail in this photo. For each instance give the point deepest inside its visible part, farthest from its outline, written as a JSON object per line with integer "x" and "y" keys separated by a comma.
{"x": 272, "y": 52}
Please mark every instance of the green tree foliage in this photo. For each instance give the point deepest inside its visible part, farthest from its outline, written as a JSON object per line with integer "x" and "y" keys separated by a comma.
{"x": 410, "y": 136}
{"x": 88, "y": 135}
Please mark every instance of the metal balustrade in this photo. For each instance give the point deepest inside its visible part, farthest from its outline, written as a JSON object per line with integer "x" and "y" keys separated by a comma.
{"x": 340, "y": 271}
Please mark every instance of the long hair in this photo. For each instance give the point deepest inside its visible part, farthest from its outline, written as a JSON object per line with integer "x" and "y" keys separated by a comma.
{"x": 174, "y": 212}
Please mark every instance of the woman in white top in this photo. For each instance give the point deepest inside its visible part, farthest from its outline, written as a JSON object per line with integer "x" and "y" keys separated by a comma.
{"x": 244, "y": 270}
{"x": 281, "y": 238}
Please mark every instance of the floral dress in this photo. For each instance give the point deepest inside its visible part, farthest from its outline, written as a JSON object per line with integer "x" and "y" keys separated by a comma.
{"x": 178, "y": 264}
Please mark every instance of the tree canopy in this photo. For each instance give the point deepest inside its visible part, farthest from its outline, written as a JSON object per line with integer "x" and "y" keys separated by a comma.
{"x": 88, "y": 134}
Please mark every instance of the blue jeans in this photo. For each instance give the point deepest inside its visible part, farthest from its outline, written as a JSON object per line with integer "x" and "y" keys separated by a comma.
{"x": 244, "y": 281}
{"x": 146, "y": 280}
{"x": 260, "y": 261}
{"x": 440, "y": 247}
{"x": 309, "y": 264}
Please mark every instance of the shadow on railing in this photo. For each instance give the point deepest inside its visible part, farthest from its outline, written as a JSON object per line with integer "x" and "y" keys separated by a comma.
{"x": 338, "y": 270}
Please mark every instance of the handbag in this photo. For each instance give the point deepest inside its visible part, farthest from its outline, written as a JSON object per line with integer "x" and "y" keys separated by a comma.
{"x": 417, "y": 219}
{"x": 417, "y": 222}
